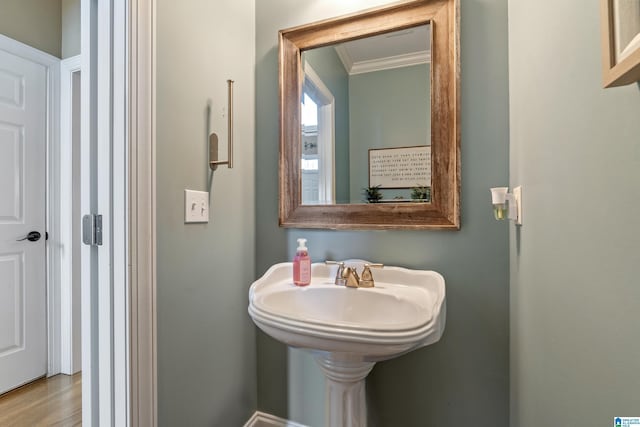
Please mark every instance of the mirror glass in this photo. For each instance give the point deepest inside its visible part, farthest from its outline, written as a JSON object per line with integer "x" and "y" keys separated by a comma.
{"x": 366, "y": 120}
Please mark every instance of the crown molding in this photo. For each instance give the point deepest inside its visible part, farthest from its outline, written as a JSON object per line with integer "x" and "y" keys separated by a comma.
{"x": 352, "y": 67}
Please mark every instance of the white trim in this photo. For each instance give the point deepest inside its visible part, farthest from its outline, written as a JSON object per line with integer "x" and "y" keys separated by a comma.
{"x": 379, "y": 64}
{"x": 142, "y": 219}
{"x": 326, "y": 134}
{"x": 316, "y": 86}
{"x": 326, "y": 152}
{"x": 118, "y": 176}
{"x": 88, "y": 254}
{"x": 53, "y": 215}
{"x": 27, "y": 52}
{"x": 112, "y": 204}
{"x": 345, "y": 57}
{"x": 69, "y": 312}
{"x": 261, "y": 419}
{"x": 52, "y": 65}
{"x": 105, "y": 139}
{"x": 104, "y": 169}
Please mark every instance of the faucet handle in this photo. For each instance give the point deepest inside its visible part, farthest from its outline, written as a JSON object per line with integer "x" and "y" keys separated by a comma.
{"x": 374, "y": 265}
{"x": 350, "y": 276}
{"x": 339, "y": 279}
{"x": 367, "y": 277}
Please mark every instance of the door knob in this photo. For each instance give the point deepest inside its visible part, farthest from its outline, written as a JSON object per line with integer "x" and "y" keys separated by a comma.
{"x": 33, "y": 236}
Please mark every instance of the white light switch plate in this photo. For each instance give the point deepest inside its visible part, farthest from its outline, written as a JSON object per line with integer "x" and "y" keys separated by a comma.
{"x": 196, "y": 206}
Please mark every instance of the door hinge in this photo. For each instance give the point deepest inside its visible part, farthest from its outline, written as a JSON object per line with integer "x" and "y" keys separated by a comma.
{"x": 92, "y": 230}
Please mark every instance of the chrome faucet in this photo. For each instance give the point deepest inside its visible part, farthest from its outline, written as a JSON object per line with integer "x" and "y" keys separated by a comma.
{"x": 348, "y": 276}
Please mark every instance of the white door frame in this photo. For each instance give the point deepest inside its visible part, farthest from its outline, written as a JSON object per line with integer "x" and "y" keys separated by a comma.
{"x": 70, "y": 323}
{"x": 107, "y": 397}
{"x": 53, "y": 249}
{"x": 88, "y": 48}
{"x": 122, "y": 94}
{"x": 105, "y": 305}
{"x": 112, "y": 108}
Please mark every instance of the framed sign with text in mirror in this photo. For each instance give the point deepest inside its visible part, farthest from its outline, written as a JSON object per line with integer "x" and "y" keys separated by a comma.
{"x": 402, "y": 167}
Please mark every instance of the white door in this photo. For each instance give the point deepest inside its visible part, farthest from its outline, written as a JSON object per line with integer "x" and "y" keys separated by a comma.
{"x": 23, "y": 336}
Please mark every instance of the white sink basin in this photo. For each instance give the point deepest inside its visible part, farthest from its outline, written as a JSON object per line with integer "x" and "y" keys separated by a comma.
{"x": 405, "y": 310}
{"x": 349, "y": 329}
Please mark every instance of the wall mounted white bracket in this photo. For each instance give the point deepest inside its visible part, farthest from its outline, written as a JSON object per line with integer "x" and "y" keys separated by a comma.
{"x": 507, "y": 205}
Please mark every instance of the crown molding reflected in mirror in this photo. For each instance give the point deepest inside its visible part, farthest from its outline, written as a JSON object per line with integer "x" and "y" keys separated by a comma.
{"x": 443, "y": 212}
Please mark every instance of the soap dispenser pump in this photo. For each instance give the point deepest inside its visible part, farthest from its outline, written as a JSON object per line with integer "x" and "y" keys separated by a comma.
{"x": 302, "y": 265}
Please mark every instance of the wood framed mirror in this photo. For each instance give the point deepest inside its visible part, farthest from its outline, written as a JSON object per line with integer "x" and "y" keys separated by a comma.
{"x": 422, "y": 145}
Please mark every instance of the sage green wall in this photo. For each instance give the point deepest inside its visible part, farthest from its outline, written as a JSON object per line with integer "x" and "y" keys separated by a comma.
{"x": 206, "y": 341}
{"x": 36, "y": 23}
{"x": 327, "y": 64}
{"x": 463, "y": 379}
{"x": 70, "y": 28}
{"x": 389, "y": 108}
{"x": 575, "y": 263}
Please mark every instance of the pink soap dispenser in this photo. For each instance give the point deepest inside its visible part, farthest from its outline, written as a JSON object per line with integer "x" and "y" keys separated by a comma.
{"x": 302, "y": 265}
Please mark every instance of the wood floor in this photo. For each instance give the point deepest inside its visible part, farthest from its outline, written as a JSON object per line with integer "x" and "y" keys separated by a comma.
{"x": 55, "y": 401}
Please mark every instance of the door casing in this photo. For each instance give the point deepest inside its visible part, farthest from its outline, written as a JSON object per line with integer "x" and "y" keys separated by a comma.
{"x": 119, "y": 37}
{"x": 70, "y": 179}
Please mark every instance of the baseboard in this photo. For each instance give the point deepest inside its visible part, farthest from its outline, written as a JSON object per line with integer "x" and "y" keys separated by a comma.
{"x": 260, "y": 419}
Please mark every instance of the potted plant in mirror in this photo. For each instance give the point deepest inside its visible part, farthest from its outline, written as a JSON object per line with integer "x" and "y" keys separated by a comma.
{"x": 421, "y": 194}
{"x": 373, "y": 194}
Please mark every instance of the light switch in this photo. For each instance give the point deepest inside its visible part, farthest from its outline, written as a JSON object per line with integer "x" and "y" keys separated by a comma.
{"x": 196, "y": 206}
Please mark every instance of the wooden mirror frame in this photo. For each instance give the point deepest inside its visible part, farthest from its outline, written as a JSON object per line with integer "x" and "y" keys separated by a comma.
{"x": 614, "y": 72}
{"x": 444, "y": 210}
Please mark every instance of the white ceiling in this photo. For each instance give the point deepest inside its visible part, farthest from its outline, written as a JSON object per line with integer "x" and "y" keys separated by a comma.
{"x": 391, "y": 50}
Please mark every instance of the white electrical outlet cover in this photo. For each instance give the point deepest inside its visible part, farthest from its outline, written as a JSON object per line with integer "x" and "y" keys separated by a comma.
{"x": 196, "y": 206}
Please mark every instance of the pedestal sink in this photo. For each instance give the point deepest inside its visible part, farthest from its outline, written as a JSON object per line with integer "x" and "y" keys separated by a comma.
{"x": 349, "y": 330}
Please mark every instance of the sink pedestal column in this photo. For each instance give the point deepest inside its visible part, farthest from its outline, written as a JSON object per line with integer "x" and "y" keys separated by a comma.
{"x": 345, "y": 391}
